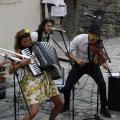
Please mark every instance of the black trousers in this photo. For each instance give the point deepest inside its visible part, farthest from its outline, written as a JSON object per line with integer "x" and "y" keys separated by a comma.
{"x": 75, "y": 74}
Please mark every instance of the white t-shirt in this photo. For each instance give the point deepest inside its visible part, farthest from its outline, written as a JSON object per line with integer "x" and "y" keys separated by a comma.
{"x": 34, "y": 36}
{"x": 80, "y": 45}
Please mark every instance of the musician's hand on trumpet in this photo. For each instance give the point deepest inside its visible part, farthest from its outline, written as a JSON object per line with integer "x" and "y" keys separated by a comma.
{"x": 25, "y": 62}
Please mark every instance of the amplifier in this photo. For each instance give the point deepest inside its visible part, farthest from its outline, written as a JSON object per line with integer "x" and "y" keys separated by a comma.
{"x": 114, "y": 93}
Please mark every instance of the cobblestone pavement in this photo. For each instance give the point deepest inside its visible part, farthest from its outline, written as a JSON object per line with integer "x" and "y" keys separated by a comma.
{"x": 85, "y": 93}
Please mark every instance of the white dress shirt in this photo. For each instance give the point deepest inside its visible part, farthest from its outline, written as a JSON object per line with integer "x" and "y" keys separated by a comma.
{"x": 80, "y": 45}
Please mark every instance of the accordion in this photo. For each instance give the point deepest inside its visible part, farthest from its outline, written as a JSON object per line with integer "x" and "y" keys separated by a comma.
{"x": 46, "y": 58}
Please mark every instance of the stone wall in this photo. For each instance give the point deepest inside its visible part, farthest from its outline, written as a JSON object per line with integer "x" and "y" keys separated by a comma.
{"x": 76, "y": 22}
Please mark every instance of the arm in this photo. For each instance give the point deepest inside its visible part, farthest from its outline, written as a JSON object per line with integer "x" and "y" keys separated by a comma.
{"x": 70, "y": 55}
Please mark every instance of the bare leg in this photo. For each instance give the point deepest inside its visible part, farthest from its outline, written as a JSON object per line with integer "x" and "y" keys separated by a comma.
{"x": 34, "y": 109}
{"x": 58, "y": 105}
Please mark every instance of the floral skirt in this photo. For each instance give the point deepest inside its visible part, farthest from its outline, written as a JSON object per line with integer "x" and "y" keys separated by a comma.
{"x": 38, "y": 89}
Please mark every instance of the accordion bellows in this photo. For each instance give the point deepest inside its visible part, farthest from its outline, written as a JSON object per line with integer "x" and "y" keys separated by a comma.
{"x": 47, "y": 57}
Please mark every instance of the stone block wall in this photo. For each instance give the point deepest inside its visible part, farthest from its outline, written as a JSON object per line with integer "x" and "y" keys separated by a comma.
{"x": 76, "y": 22}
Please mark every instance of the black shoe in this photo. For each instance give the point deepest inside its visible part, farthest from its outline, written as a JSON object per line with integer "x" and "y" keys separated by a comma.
{"x": 105, "y": 112}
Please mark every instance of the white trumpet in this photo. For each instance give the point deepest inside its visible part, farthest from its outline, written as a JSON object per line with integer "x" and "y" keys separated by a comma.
{"x": 10, "y": 57}
{"x": 11, "y": 52}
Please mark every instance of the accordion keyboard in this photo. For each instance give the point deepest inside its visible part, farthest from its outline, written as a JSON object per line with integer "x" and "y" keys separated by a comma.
{"x": 35, "y": 69}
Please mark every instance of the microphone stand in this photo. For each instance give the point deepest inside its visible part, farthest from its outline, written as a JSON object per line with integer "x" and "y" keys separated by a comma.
{"x": 106, "y": 52}
{"x": 97, "y": 117}
{"x": 70, "y": 61}
{"x": 107, "y": 57}
{"x": 15, "y": 74}
{"x": 73, "y": 88}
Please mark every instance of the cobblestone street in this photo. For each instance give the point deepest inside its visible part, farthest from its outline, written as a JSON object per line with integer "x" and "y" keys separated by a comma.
{"x": 85, "y": 93}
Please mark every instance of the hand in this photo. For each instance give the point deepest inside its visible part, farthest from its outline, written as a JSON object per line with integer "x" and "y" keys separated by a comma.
{"x": 25, "y": 62}
{"x": 105, "y": 66}
{"x": 81, "y": 62}
{"x": 67, "y": 54}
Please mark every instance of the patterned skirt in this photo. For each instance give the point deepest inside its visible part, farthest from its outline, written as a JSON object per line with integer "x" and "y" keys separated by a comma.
{"x": 38, "y": 89}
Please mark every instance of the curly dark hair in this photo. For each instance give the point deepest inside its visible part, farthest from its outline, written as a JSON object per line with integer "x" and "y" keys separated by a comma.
{"x": 24, "y": 33}
{"x": 42, "y": 26}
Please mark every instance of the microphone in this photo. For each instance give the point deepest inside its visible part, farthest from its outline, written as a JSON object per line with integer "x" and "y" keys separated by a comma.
{"x": 88, "y": 14}
{"x": 59, "y": 30}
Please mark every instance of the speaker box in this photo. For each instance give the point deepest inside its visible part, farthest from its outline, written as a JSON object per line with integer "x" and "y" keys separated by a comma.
{"x": 114, "y": 93}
